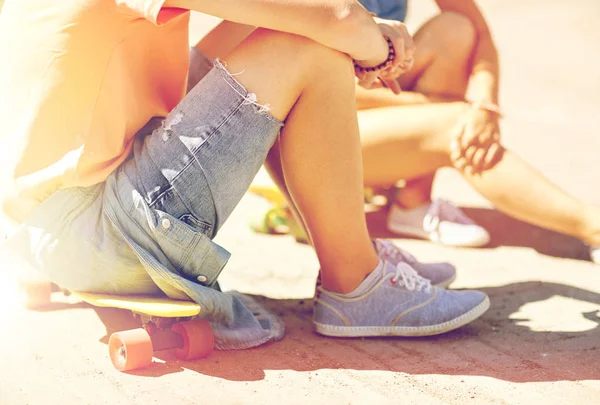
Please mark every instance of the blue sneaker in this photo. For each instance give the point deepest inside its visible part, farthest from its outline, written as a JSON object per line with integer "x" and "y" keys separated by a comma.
{"x": 440, "y": 274}
{"x": 396, "y": 301}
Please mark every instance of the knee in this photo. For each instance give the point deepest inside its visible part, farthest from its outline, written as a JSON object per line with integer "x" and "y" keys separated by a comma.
{"x": 304, "y": 52}
{"x": 458, "y": 29}
{"x": 279, "y": 67}
{"x": 457, "y": 32}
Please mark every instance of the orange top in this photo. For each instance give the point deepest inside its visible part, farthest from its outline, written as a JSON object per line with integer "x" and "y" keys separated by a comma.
{"x": 78, "y": 79}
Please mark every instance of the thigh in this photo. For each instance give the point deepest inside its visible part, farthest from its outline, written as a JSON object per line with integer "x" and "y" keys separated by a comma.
{"x": 200, "y": 65}
{"x": 407, "y": 142}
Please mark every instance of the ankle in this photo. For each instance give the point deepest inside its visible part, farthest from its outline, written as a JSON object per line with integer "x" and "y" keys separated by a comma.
{"x": 409, "y": 198}
{"x": 347, "y": 280}
{"x": 345, "y": 286}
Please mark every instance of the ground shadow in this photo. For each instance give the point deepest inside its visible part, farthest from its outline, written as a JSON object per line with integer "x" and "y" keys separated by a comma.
{"x": 504, "y": 231}
{"x": 497, "y": 345}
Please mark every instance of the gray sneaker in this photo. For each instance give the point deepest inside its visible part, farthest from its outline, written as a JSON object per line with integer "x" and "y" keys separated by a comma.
{"x": 440, "y": 274}
{"x": 401, "y": 303}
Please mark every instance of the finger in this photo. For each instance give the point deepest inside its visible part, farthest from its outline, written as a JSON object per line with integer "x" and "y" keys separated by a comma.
{"x": 455, "y": 143}
{"x": 455, "y": 151}
{"x": 390, "y": 73}
{"x": 467, "y": 138}
{"x": 366, "y": 84}
{"x": 486, "y": 137}
{"x": 460, "y": 164}
{"x": 395, "y": 72}
{"x": 469, "y": 153}
{"x": 455, "y": 155}
{"x": 393, "y": 85}
{"x": 409, "y": 43}
{"x": 366, "y": 79}
{"x": 360, "y": 75}
{"x": 493, "y": 156}
{"x": 478, "y": 161}
{"x": 377, "y": 84}
{"x": 407, "y": 64}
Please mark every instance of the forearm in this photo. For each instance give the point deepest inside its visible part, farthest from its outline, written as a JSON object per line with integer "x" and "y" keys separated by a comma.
{"x": 343, "y": 25}
{"x": 485, "y": 75}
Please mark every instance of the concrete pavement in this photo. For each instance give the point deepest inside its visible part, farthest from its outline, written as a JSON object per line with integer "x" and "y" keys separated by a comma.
{"x": 538, "y": 343}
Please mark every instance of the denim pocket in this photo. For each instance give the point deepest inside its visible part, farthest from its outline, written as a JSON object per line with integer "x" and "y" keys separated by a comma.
{"x": 179, "y": 233}
{"x": 191, "y": 252}
{"x": 170, "y": 203}
{"x": 197, "y": 224}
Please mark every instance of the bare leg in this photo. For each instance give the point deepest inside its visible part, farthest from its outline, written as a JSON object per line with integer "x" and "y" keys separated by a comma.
{"x": 275, "y": 170}
{"x": 406, "y": 143}
{"x": 519, "y": 190}
{"x": 312, "y": 88}
{"x": 440, "y": 73}
{"x": 416, "y": 191}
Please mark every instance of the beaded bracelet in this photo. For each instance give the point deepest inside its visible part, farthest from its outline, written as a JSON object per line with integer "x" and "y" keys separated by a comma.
{"x": 385, "y": 64}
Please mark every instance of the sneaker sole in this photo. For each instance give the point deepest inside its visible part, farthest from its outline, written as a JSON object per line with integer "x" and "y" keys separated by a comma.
{"x": 421, "y": 234}
{"x": 403, "y": 331}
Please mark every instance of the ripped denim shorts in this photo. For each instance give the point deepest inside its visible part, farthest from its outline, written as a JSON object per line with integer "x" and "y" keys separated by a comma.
{"x": 150, "y": 225}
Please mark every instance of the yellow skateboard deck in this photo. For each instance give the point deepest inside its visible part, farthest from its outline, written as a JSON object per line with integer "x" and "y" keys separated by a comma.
{"x": 269, "y": 192}
{"x": 143, "y": 304}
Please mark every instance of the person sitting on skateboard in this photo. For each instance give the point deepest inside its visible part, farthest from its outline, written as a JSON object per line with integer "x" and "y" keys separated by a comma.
{"x": 120, "y": 181}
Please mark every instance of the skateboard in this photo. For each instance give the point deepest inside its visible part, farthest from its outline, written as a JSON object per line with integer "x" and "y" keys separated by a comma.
{"x": 165, "y": 324}
{"x": 274, "y": 217}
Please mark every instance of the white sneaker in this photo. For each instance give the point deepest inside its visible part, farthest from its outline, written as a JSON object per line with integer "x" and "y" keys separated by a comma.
{"x": 595, "y": 254}
{"x": 439, "y": 221}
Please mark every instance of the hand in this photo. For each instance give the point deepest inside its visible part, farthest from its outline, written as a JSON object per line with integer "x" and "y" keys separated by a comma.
{"x": 477, "y": 145}
{"x": 404, "y": 47}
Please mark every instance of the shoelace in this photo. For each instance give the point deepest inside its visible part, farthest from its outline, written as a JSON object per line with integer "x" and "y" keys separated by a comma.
{"x": 394, "y": 252}
{"x": 408, "y": 278}
{"x": 442, "y": 208}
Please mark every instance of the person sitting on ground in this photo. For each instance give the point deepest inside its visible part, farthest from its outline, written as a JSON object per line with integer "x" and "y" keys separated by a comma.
{"x": 432, "y": 125}
{"x": 121, "y": 180}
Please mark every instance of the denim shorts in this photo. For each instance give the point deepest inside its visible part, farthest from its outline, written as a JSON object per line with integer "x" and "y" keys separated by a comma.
{"x": 149, "y": 226}
{"x": 388, "y": 9}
